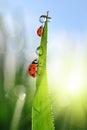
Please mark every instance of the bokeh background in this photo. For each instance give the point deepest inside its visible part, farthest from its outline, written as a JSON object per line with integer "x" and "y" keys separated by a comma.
{"x": 66, "y": 61}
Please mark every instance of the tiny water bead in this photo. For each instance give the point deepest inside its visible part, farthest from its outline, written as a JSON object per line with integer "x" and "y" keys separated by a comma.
{"x": 39, "y": 71}
{"x": 39, "y": 51}
{"x": 43, "y": 19}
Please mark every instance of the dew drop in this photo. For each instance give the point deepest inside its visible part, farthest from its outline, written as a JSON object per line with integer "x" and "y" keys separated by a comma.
{"x": 43, "y": 18}
{"x": 39, "y": 51}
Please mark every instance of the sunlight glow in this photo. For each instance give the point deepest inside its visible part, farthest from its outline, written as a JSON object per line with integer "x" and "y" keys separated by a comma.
{"x": 67, "y": 72}
{"x": 68, "y": 89}
{"x": 75, "y": 82}
{"x": 68, "y": 84}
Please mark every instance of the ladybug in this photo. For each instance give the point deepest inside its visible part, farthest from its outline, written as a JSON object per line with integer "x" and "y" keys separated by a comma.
{"x": 40, "y": 31}
{"x": 32, "y": 69}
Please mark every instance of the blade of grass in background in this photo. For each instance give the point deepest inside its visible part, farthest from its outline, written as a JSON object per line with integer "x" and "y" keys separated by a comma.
{"x": 41, "y": 110}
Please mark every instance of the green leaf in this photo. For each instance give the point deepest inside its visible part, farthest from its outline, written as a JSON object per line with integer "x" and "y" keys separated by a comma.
{"x": 41, "y": 110}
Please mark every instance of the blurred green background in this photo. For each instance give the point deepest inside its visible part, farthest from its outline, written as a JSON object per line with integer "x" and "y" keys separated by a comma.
{"x": 16, "y": 90}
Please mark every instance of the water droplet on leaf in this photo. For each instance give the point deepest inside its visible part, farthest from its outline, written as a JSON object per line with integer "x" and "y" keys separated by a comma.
{"x": 39, "y": 51}
{"x": 43, "y": 18}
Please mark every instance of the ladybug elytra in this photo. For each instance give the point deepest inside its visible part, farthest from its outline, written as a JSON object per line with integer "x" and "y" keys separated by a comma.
{"x": 40, "y": 31}
{"x": 32, "y": 69}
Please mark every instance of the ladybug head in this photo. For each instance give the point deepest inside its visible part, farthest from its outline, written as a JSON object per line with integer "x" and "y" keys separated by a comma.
{"x": 35, "y": 61}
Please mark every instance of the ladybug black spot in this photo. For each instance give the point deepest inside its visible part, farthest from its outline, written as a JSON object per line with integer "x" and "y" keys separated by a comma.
{"x": 33, "y": 75}
{"x": 29, "y": 69}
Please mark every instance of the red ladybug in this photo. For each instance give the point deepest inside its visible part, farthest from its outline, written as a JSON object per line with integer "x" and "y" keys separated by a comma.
{"x": 40, "y": 31}
{"x": 32, "y": 69}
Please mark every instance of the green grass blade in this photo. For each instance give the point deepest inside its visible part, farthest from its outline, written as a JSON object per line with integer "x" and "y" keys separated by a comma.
{"x": 41, "y": 110}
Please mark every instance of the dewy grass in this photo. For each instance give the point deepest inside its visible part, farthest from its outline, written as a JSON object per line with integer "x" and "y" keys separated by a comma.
{"x": 41, "y": 109}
